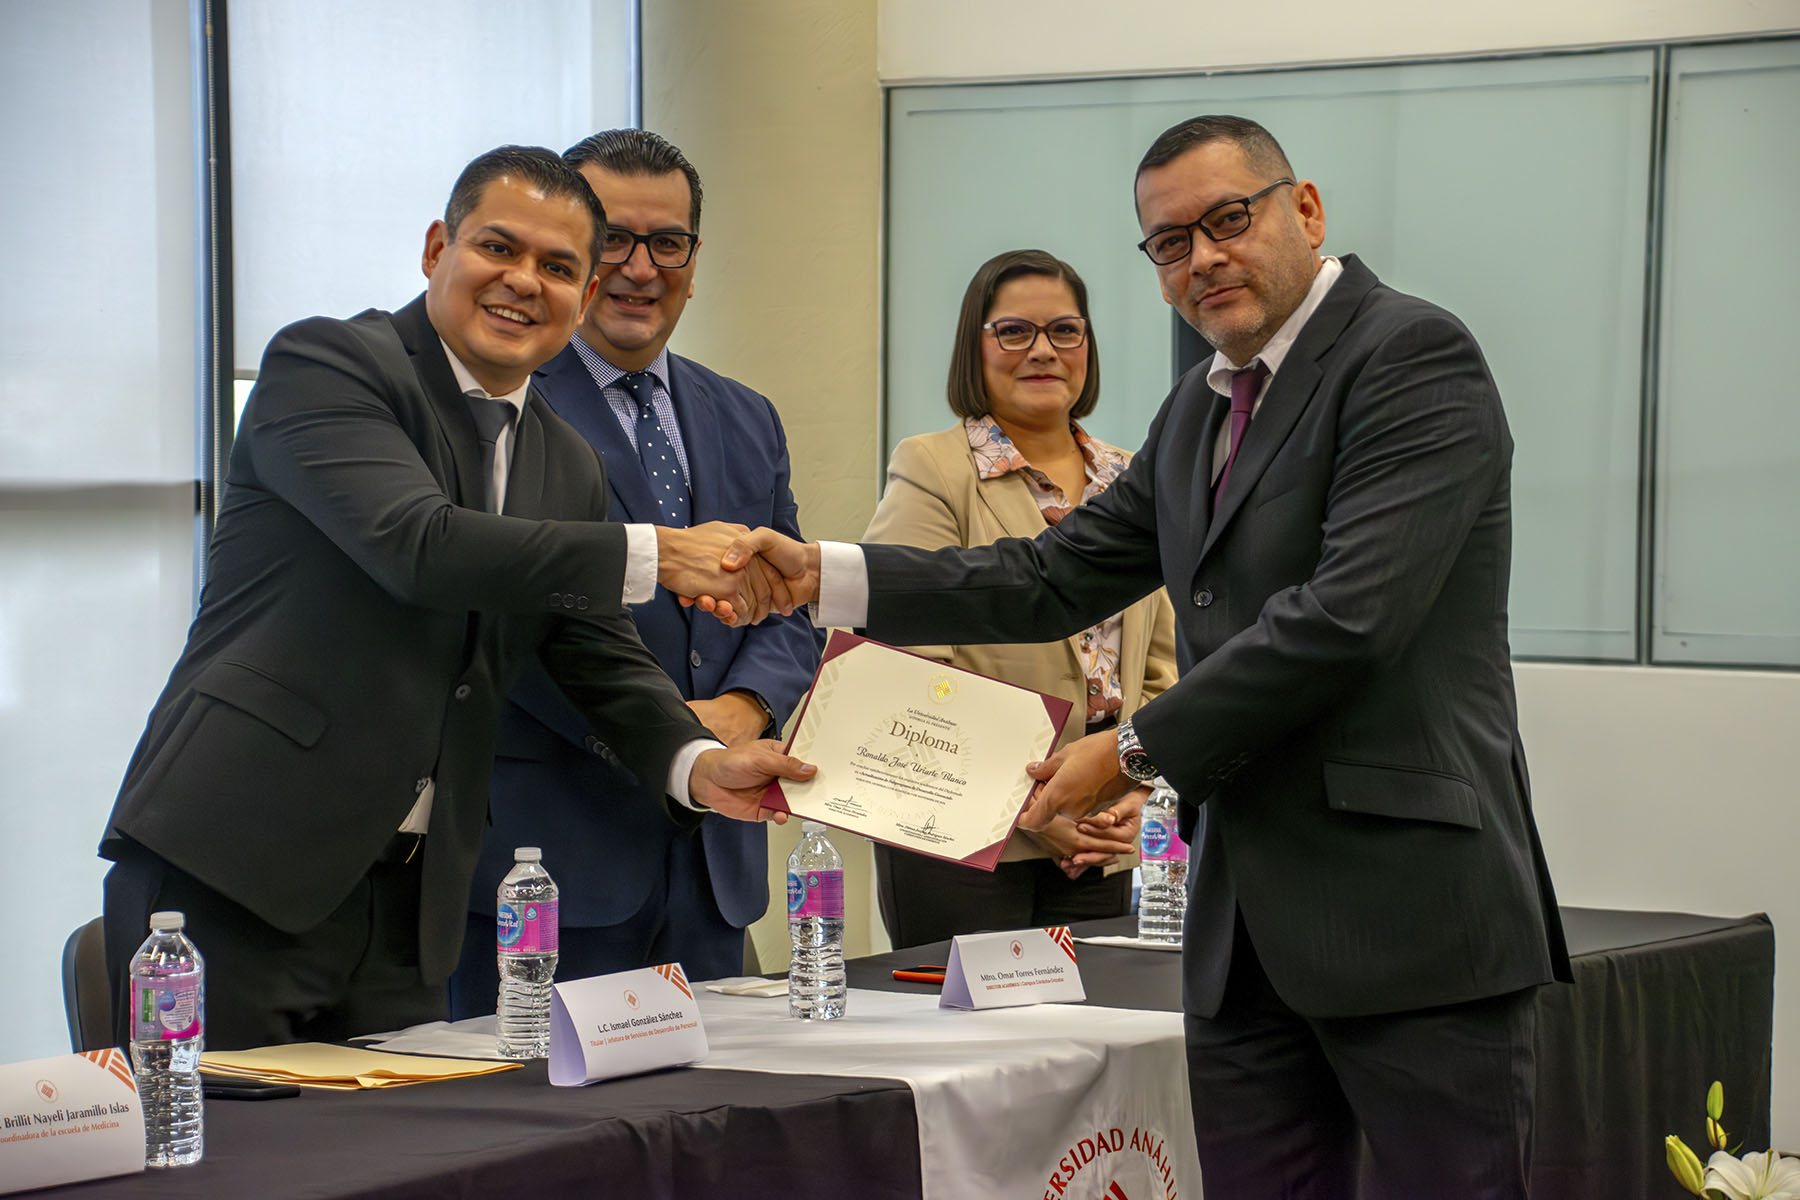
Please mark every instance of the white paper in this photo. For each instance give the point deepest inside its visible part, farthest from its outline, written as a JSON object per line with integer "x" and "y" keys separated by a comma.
{"x": 623, "y": 1024}
{"x": 748, "y": 985}
{"x": 1006, "y": 970}
{"x": 472, "y": 1037}
{"x": 76, "y": 1116}
{"x": 916, "y": 753}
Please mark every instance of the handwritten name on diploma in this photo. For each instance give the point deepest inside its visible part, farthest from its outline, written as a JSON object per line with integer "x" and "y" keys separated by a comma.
{"x": 917, "y": 768}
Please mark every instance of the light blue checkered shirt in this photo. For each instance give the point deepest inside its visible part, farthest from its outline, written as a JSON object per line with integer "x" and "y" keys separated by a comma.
{"x": 607, "y": 377}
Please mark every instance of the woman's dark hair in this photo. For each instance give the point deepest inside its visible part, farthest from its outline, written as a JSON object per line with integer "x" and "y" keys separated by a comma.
{"x": 967, "y": 392}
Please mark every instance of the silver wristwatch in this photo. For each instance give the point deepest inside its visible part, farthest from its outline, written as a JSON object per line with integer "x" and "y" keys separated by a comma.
{"x": 1132, "y": 759}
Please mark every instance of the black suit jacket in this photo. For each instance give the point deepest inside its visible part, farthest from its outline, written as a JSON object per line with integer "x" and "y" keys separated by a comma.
{"x": 359, "y": 630}
{"x": 1346, "y": 704}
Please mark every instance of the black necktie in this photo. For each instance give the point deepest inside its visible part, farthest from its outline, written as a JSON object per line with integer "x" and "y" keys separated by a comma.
{"x": 491, "y": 417}
{"x": 663, "y": 469}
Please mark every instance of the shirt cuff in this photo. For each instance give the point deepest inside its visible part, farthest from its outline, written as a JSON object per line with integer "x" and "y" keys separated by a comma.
{"x": 843, "y": 586}
{"x": 683, "y": 766}
{"x": 640, "y": 568}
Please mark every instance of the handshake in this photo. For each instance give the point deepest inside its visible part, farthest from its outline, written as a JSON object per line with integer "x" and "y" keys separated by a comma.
{"x": 738, "y": 575}
{"x": 1086, "y": 813}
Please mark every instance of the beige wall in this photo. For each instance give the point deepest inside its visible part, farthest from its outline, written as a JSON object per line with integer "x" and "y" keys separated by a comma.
{"x": 776, "y": 103}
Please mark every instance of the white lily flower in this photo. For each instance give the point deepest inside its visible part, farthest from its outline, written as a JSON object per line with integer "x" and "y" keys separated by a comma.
{"x": 1754, "y": 1177}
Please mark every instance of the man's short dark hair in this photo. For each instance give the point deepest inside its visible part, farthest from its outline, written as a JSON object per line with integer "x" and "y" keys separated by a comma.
{"x": 533, "y": 165}
{"x": 1260, "y": 149}
{"x": 638, "y": 152}
{"x": 967, "y": 389}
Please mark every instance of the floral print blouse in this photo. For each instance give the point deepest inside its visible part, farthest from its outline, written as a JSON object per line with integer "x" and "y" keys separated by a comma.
{"x": 995, "y": 457}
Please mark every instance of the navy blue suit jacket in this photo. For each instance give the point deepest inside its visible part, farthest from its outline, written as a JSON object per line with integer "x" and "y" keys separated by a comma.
{"x": 605, "y": 833}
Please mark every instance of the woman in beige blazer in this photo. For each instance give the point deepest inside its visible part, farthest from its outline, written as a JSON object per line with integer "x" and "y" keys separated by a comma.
{"x": 1023, "y": 369}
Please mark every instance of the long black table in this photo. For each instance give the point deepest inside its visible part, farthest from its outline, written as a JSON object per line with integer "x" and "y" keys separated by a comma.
{"x": 1663, "y": 1004}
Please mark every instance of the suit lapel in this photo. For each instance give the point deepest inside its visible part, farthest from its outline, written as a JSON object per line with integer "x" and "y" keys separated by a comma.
{"x": 525, "y": 478}
{"x": 1200, "y": 503}
{"x": 447, "y": 403}
{"x": 571, "y": 391}
{"x": 695, "y": 409}
{"x": 1010, "y": 502}
{"x": 1290, "y": 393}
{"x": 1287, "y": 398}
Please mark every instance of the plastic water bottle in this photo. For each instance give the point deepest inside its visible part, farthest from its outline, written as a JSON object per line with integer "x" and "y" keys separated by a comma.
{"x": 1163, "y": 864}
{"x": 815, "y": 892}
{"x": 168, "y": 1019}
{"x": 525, "y": 941}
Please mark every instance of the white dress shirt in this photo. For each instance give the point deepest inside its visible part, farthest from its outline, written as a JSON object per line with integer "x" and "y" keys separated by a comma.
{"x": 640, "y": 585}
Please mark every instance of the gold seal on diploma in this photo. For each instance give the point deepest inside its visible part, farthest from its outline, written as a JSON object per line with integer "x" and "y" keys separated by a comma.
{"x": 943, "y": 689}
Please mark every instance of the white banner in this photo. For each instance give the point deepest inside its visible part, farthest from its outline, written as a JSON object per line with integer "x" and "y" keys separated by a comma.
{"x": 1093, "y": 1101}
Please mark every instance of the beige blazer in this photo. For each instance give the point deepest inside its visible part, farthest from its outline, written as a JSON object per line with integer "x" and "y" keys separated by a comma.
{"x": 933, "y": 499}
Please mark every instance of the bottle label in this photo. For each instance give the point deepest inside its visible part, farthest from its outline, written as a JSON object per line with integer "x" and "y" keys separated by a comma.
{"x": 1162, "y": 843}
{"x": 816, "y": 894}
{"x": 168, "y": 1009}
{"x": 527, "y": 927}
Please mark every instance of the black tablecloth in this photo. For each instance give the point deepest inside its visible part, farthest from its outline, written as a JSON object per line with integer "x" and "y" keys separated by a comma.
{"x": 1663, "y": 1004}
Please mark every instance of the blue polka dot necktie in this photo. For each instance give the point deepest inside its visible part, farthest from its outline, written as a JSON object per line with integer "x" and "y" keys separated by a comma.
{"x": 661, "y": 467}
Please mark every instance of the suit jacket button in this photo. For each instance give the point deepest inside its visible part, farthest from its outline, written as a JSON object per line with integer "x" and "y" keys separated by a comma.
{"x": 555, "y": 599}
{"x": 1202, "y": 597}
{"x": 568, "y": 602}
{"x": 462, "y": 691}
{"x": 592, "y": 743}
{"x": 694, "y": 659}
{"x": 581, "y": 602}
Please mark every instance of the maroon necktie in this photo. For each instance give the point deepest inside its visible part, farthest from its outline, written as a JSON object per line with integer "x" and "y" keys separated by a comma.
{"x": 1244, "y": 386}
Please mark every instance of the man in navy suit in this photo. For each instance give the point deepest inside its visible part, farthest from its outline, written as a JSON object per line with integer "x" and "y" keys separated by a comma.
{"x": 682, "y": 445}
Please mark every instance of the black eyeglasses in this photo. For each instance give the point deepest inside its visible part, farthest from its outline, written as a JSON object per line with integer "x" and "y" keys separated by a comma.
{"x": 1016, "y": 333}
{"x": 1220, "y": 223}
{"x": 668, "y": 248}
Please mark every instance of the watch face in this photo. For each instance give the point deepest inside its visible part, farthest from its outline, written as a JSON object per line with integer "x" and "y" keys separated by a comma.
{"x": 1137, "y": 765}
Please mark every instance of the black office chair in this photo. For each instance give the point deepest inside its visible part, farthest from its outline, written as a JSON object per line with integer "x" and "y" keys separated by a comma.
{"x": 87, "y": 994}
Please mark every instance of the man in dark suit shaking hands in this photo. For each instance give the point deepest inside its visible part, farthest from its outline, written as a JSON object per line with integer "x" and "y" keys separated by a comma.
{"x": 682, "y": 445}
{"x": 1327, "y": 501}
{"x": 404, "y": 525}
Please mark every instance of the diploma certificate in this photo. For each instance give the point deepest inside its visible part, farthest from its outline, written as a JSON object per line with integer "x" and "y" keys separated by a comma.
{"x": 916, "y": 753}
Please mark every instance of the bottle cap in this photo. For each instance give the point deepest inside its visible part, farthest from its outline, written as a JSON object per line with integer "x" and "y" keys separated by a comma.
{"x": 167, "y": 920}
{"x": 812, "y": 827}
{"x": 528, "y": 854}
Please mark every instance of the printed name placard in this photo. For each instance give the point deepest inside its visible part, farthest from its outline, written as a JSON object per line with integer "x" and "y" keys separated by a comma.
{"x": 623, "y": 1024}
{"x": 75, "y": 1116}
{"x": 1003, "y": 970}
